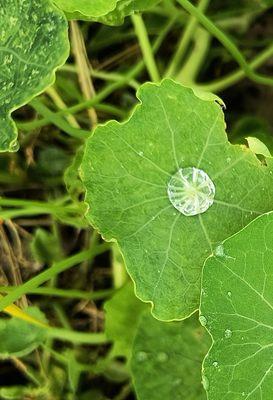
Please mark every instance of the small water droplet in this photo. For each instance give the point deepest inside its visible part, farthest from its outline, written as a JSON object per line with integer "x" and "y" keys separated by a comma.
{"x": 205, "y": 382}
{"x": 141, "y": 356}
{"x": 215, "y": 364}
{"x": 229, "y": 294}
{"x": 243, "y": 393}
{"x": 228, "y": 333}
{"x": 141, "y": 153}
{"x": 191, "y": 191}
{"x": 177, "y": 382}
{"x": 162, "y": 357}
{"x": 203, "y": 320}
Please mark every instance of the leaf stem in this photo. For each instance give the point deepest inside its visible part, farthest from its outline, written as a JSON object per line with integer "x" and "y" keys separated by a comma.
{"x": 223, "y": 83}
{"x": 185, "y": 41}
{"x": 146, "y": 47}
{"x": 54, "y": 270}
{"x": 226, "y": 42}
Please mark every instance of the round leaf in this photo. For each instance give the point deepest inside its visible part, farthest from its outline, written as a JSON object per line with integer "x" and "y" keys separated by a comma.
{"x": 237, "y": 309}
{"x": 126, "y": 170}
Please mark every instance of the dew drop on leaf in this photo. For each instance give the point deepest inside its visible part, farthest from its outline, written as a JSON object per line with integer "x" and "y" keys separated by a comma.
{"x": 141, "y": 356}
{"x": 228, "y": 333}
{"x": 162, "y": 357}
{"x": 191, "y": 191}
{"x": 215, "y": 364}
{"x": 203, "y": 320}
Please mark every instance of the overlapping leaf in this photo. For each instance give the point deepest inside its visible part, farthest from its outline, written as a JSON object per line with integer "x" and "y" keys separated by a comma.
{"x": 123, "y": 311}
{"x": 87, "y": 8}
{"x": 167, "y": 358}
{"x": 237, "y": 309}
{"x": 126, "y": 169}
{"x": 33, "y": 43}
{"x": 19, "y": 338}
{"x": 110, "y": 12}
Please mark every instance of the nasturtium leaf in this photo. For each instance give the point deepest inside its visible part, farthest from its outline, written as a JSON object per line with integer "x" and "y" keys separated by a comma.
{"x": 237, "y": 310}
{"x": 19, "y": 338}
{"x": 123, "y": 312}
{"x": 127, "y": 169}
{"x": 167, "y": 359}
{"x": 33, "y": 43}
{"x": 115, "y": 16}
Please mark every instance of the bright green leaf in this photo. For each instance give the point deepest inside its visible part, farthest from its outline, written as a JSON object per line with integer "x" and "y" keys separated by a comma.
{"x": 126, "y": 170}
{"x": 34, "y": 42}
{"x": 19, "y": 338}
{"x": 167, "y": 358}
{"x": 123, "y": 311}
{"x": 237, "y": 309}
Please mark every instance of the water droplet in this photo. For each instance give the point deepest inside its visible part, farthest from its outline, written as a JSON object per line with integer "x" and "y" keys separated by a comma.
{"x": 177, "y": 382}
{"x": 228, "y": 159}
{"x": 141, "y": 153}
{"x": 191, "y": 191}
{"x": 203, "y": 320}
{"x": 215, "y": 364}
{"x": 229, "y": 294}
{"x": 205, "y": 382}
{"x": 228, "y": 333}
{"x": 141, "y": 356}
{"x": 162, "y": 357}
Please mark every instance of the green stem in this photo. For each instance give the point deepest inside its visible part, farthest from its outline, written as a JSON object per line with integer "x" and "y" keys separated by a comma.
{"x": 58, "y": 121}
{"x": 185, "y": 41}
{"x": 236, "y": 76}
{"x": 68, "y": 335}
{"x": 146, "y": 47}
{"x": 103, "y": 75}
{"x": 227, "y": 43}
{"x": 65, "y": 293}
{"x": 48, "y": 274}
{"x": 194, "y": 62}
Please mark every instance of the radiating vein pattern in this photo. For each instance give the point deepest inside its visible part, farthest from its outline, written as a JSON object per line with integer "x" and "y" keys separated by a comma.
{"x": 237, "y": 305}
{"x": 33, "y": 43}
{"x": 130, "y": 169}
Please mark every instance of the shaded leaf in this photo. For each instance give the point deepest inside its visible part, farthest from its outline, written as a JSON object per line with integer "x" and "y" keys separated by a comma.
{"x": 123, "y": 311}
{"x": 34, "y": 42}
{"x": 126, "y": 170}
{"x": 167, "y": 358}
{"x": 237, "y": 309}
{"x": 19, "y": 338}
{"x": 45, "y": 247}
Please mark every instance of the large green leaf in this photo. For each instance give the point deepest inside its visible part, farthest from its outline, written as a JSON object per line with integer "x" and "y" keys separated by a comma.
{"x": 237, "y": 309}
{"x": 33, "y": 43}
{"x": 126, "y": 170}
{"x": 97, "y": 12}
{"x": 167, "y": 358}
{"x": 123, "y": 311}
